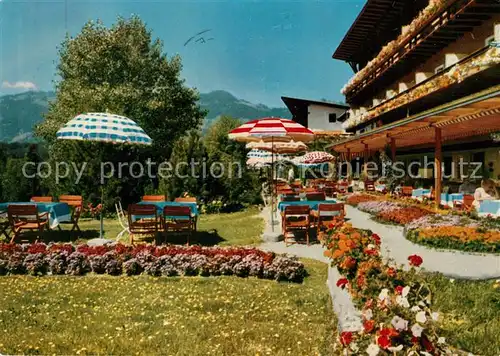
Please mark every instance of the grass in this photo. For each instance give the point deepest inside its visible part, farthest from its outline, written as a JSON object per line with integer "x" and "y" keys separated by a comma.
{"x": 174, "y": 316}
{"x": 470, "y": 311}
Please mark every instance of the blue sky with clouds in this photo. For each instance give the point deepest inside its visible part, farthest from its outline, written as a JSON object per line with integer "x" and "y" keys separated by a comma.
{"x": 261, "y": 50}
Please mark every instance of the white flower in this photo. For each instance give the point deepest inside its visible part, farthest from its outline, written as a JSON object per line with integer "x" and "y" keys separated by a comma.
{"x": 420, "y": 317}
{"x": 435, "y": 316}
{"x": 354, "y": 347}
{"x": 425, "y": 353}
{"x": 368, "y": 314}
{"x": 406, "y": 291}
{"x": 415, "y": 309}
{"x": 416, "y": 330}
{"x": 399, "y": 323}
{"x": 441, "y": 340}
{"x": 371, "y": 247}
{"x": 373, "y": 350}
{"x": 396, "y": 349}
{"x": 402, "y": 301}
{"x": 384, "y": 294}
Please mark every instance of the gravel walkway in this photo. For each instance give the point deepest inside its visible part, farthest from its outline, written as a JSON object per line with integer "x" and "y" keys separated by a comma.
{"x": 453, "y": 264}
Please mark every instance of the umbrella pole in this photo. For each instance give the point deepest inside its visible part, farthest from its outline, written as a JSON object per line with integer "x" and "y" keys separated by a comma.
{"x": 101, "y": 231}
{"x": 273, "y": 187}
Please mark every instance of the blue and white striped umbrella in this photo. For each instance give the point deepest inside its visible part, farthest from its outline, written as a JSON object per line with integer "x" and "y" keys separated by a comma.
{"x": 103, "y": 127}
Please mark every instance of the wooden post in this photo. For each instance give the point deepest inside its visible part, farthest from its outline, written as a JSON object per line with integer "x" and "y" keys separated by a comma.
{"x": 393, "y": 149}
{"x": 348, "y": 165}
{"x": 437, "y": 164}
{"x": 365, "y": 159}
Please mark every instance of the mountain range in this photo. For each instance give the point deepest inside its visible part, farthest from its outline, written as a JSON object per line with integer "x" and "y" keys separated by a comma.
{"x": 20, "y": 112}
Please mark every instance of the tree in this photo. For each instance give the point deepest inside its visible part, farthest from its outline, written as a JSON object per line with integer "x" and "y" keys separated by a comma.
{"x": 123, "y": 71}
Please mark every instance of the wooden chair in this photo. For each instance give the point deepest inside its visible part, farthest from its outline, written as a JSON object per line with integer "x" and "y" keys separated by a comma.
{"x": 342, "y": 187}
{"x": 178, "y": 219}
{"x": 185, "y": 200}
{"x": 26, "y": 217}
{"x": 466, "y": 205}
{"x": 75, "y": 202}
{"x": 142, "y": 220}
{"x": 154, "y": 198}
{"x": 327, "y": 213}
{"x": 296, "y": 218}
{"x": 318, "y": 196}
{"x": 369, "y": 186}
{"x": 289, "y": 198}
{"x": 406, "y": 191}
{"x": 42, "y": 199}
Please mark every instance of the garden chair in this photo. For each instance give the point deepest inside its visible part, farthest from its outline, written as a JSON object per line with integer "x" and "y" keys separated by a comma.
{"x": 296, "y": 218}
{"x": 178, "y": 219}
{"x": 26, "y": 217}
{"x": 290, "y": 197}
{"x": 185, "y": 200}
{"x": 465, "y": 206}
{"x": 327, "y": 214}
{"x": 154, "y": 198}
{"x": 406, "y": 191}
{"x": 122, "y": 220}
{"x": 342, "y": 187}
{"x": 142, "y": 220}
{"x": 75, "y": 202}
{"x": 42, "y": 199}
{"x": 318, "y": 196}
{"x": 369, "y": 186}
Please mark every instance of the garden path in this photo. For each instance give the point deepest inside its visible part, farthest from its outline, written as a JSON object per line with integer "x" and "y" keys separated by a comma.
{"x": 454, "y": 264}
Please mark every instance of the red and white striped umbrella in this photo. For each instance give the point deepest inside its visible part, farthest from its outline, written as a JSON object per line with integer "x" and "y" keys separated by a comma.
{"x": 275, "y": 128}
{"x": 315, "y": 157}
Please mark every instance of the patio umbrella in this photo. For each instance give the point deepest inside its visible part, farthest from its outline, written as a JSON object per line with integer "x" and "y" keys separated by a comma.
{"x": 271, "y": 129}
{"x": 278, "y": 147}
{"x": 259, "y": 158}
{"x": 103, "y": 127}
{"x": 315, "y": 158}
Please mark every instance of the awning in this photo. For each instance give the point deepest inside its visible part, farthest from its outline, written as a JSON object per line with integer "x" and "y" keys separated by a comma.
{"x": 475, "y": 115}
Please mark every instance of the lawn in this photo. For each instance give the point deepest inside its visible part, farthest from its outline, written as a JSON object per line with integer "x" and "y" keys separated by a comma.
{"x": 174, "y": 316}
{"x": 471, "y": 313}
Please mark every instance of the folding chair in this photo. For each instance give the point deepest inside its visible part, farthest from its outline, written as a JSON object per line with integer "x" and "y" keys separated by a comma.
{"x": 290, "y": 197}
{"x": 466, "y": 205}
{"x": 26, "y": 217}
{"x": 178, "y": 219}
{"x": 75, "y": 202}
{"x": 154, "y": 198}
{"x": 142, "y": 220}
{"x": 327, "y": 213}
{"x": 369, "y": 186}
{"x": 318, "y": 196}
{"x": 42, "y": 199}
{"x": 296, "y": 218}
{"x": 122, "y": 220}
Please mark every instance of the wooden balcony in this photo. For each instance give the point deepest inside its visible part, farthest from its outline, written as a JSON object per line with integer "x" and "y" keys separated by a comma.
{"x": 439, "y": 31}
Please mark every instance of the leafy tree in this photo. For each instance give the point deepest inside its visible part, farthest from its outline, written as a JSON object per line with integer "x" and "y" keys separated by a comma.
{"x": 15, "y": 186}
{"x": 123, "y": 71}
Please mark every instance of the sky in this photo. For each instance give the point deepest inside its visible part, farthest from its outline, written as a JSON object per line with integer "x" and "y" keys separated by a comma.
{"x": 261, "y": 50}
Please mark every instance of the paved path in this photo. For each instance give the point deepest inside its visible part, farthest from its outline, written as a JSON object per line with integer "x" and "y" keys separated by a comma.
{"x": 453, "y": 264}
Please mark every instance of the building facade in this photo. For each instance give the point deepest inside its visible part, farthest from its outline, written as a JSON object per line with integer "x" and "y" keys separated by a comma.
{"x": 426, "y": 84}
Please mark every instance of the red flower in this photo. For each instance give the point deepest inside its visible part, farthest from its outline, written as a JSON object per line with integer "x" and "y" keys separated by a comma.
{"x": 377, "y": 239}
{"x": 361, "y": 281}
{"x": 427, "y": 344}
{"x": 346, "y": 338}
{"x": 384, "y": 342}
{"x": 415, "y": 260}
{"x": 414, "y": 340}
{"x": 368, "y": 326}
{"x": 389, "y": 332}
{"x": 391, "y": 272}
{"x": 369, "y": 304}
{"x": 399, "y": 290}
{"x": 371, "y": 252}
{"x": 341, "y": 283}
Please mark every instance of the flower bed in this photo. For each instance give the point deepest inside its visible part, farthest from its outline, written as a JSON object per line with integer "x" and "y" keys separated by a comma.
{"x": 474, "y": 239}
{"x": 403, "y": 215}
{"x": 396, "y": 305}
{"x": 438, "y": 220}
{"x": 59, "y": 259}
{"x": 377, "y": 207}
{"x": 355, "y": 199}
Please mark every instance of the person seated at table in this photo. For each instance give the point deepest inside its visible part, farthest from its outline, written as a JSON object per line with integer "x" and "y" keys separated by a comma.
{"x": 467, "y": 187}
{"x": 487, "y": 191}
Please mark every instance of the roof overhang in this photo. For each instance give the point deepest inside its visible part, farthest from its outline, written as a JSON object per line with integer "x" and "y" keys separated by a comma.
{"x": 472, "y": 116}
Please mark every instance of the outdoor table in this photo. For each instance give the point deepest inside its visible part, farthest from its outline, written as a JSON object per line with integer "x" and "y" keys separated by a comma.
{"x": 489, "y": 207}
{"x": 450, "y": 199}
{"x": 420, "y": 193}
{"x": 380, "y": 188}
{"x": 160, "y": 205}
{"x": 58, "y": 212}
{"x": 313, "y": 205}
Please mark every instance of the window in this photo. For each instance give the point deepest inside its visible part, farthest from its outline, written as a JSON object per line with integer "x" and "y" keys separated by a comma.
{"x": 489, "y": 40}
{"x": 439, "y": 69}
{"x": 332, "y": 118}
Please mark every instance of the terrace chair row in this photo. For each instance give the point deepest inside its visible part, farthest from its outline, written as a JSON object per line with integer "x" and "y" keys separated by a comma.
{"x": 303, "y": 218}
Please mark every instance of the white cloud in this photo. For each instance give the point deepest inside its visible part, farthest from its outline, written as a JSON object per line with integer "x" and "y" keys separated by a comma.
{"x": 19, "y": 85}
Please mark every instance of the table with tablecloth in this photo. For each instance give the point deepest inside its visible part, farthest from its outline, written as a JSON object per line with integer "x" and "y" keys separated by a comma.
{"x": 58, "y": 212}
{"x": 420, "y": 193}
{"x": 489, "y": 208}
{"x": 160, "y": 205}
{"x": 450, "y": 199}
{"x": 382, "y": 188}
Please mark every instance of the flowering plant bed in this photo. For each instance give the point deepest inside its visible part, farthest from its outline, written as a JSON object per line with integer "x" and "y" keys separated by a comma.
{"x": 170, "y": 260}
{"x": 474, "y": 239}
{"x": 355, "y": 199}
{"x": 403, "y": 215}
{"x": 396, "y": 305}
